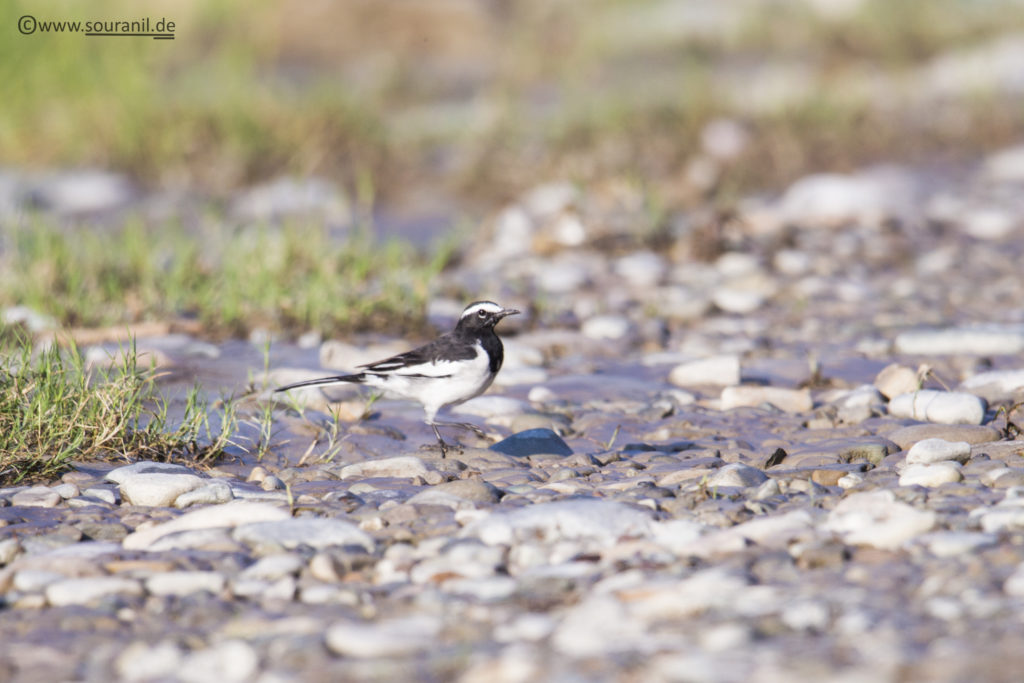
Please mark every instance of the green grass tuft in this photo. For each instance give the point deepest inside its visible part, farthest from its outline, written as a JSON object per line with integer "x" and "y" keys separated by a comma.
{"x": 54, "y": 410}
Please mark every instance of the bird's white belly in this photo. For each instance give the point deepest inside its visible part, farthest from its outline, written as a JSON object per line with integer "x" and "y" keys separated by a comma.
{"x": 439, "y": 384}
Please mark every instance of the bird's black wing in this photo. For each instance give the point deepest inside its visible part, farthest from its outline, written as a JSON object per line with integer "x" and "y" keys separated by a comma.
{"x": 444, "y": 348}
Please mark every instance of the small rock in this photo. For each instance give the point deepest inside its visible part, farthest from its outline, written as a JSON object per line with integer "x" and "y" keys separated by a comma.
{"x": 308, "y": 531}
{"x": 230, "y": 661}
{"x": 396, "y": 637}
{"x": 737, "y": 474}
{"x": 936, "y": 450}
{"x": 953, "y": 543}
{"x": 107, "y": 495}
{"x": 119, "y": 474}
{"x": 470, "y": 490}
{"x": 599, "y": 521}
{"x": 216, "y": 491}
{"x": 980, "y": 341}
{"x": 749, "y": 396}
{"x": 945, "y": 407}
{"x": 227, "y": 515}
{"x": 185, "y": 582}
{"x": 931, "y": 474}
{"x": 606, "y": 327}
{"x": 876, "y": 518}
{"x": 37, "y": 496}
{"x": 995, "y": 384}
{"x": 157, "y": 489}
{"x": 896, "y": 379}
{"x": 85, "y": 590}
{"x": 641, "y": 269}
{"x": 143, "y": 662}
{"x": 906, "y": 437}
{"x": 532, "y": 442}
{"x": 406, "y": 466}
{"x": 273, "y": 567}
{"x": 722, "y": 371}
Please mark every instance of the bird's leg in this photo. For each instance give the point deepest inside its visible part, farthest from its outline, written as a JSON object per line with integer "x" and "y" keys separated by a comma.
{"x": 440, "y": 441}
{"x": 463, "y": 425}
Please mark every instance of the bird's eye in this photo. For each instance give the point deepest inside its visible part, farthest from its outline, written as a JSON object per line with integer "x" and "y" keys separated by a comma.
{"x": 482, "y": 314}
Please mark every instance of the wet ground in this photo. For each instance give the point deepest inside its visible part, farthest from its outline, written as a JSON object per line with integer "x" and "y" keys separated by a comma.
{"x": 795, "y": 458}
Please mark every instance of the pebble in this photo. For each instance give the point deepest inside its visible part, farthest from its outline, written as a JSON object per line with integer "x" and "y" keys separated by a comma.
{"x": 533, "y": 442}
{"x": 606, "y": 327}
{"x": 396, "y": 637}
{"x": 723, "y": 371}
{"x": 895, "y": 379}
{"x": 906, "y": 437}
{"x": 227, "y": 515}
{"x": 931, "y": 474}
{"x": 980, "y": 341}
{"x": 933, "y": 450}
{"x": 119, "y": 474}
{"x": 82, "y": 591}
{"x": 230, "y": 661}
{"x": 37, "y": 496}
{"x": 214, "y": 492}
{"x": 468, "y": 490}
{"x": 597, "y": 521}
{"x": 737, "y": 474}
{"x": 302, "y": 531}
{"x": 750, "y": 396}
{"x": 945, "y": 407}
{"x": 995, "y": 384}
{"x": 185, "y": 582}
{"x": 406, "y": 466}
{"x": 157, "y": 489}
{"x": 877, "y": 519}
{"x": 143, "y": 662}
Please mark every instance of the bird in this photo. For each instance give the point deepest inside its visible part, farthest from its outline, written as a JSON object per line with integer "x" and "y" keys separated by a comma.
{"x": 455, "y": 367}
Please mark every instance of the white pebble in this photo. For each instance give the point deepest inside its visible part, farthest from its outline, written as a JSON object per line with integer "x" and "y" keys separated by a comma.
{"x": 931, "y": 474}
{"x": 936, "y": 450}
{"x": 943, "y": 407}
{"x": 82, "y": 591}
{"x": 722, "y": 371}
{"x": 185, "y": 582}
{"x": 397, "y": 637}
{"x": 157, "y": 489}
{"x": 876, "y": 518}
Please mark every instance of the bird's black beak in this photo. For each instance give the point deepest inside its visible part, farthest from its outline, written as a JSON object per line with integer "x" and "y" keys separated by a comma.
{"x": 505, "y": 312}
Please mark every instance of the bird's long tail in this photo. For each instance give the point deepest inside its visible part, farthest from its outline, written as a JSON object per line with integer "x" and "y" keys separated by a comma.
{"x": 337, "y": 379}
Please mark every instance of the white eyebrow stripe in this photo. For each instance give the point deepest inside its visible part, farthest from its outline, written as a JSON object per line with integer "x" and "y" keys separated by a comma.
{"x": 488, "y": 306}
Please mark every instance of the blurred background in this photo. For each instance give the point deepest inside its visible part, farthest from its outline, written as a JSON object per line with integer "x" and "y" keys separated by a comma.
{"x": 418, "y": 120}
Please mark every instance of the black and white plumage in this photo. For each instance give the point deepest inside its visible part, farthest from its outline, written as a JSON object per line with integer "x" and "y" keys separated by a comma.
{"x": 455, "y": 367}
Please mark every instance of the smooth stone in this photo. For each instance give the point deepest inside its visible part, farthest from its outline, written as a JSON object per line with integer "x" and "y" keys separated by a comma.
{"x": 896, "y": 379}
{"x": 180, "y": 583}
{"x": 37, "y": 496}
{"x": 9, "y": 549}
{"x": 273, "y": 567}
{"x": 931, "y": 474}
{"x": 736, "y": 474}
{"x": 143, "y": 662}
{"x": 67, "y": 490}
{"x": 230, "y": 661}
{"x": 833, "y": 199}
{"x": 936, "y": 450}
{"x": 601, "y": 521}
{"x": 641, "y": 269}
{"x": 906, "y": 437}
{"x": 720, "y": 371}
{"x": 469, "y": 490}
{"x": 945, "y": 407}
{"x": 308, "y": 531}
{"x": 215, "y": 492}
{"x": 992, "y": 340}
{"x": 738, "y": 300}
{"x": 119, "y": 474}
{"x": 532, "y": 442}
{"x": 995, "y": 384}
{"x": 81, "y": 591}
{"x": 35, "y": 580}
{"x": 109, "y": 496}
{"x": 83, "y": 191}
{"x": 157, "y": 489}
{"x": 877, "y": 519}
{"x": 405, "y": 466}
{"x": 608, "y": 327}
{"x": 750, "y": 396}
{"x": 227, "y": 515}
{"x": 953, "y": 543}
{"x": 395, "y": 637}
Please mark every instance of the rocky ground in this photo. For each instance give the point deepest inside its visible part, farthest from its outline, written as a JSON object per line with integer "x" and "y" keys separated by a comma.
{"x": 781, "y": 446}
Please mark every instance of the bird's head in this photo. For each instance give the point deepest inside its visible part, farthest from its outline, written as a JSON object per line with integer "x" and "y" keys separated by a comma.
{"x": 481, "y": 315}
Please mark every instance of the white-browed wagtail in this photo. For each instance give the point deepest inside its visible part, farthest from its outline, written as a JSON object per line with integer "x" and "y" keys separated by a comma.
{"x": 452, "y": 369}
